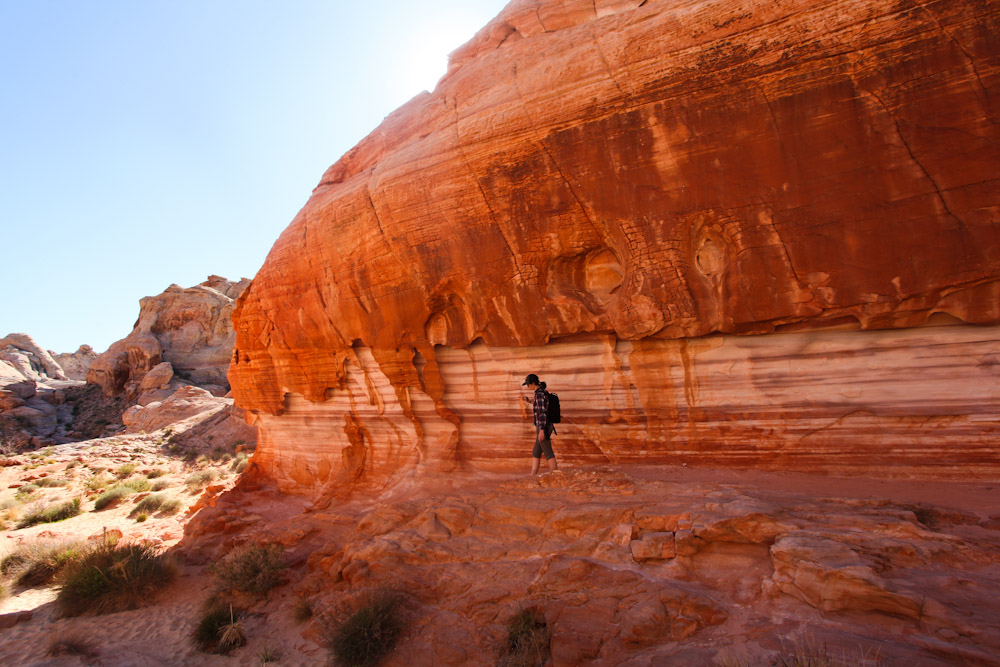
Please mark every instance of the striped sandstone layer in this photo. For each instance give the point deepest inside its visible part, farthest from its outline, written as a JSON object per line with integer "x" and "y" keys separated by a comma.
{"x": 614, "y": 194}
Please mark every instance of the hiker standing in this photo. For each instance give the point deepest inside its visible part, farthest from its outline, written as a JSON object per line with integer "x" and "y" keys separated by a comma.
{"x": 543, "y": 429}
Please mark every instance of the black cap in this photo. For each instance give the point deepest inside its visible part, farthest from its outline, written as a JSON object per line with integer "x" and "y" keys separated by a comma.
{"x": 531, "y": 379}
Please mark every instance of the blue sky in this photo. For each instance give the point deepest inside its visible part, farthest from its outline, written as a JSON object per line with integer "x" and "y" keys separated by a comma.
{"x": 155, "y": 142}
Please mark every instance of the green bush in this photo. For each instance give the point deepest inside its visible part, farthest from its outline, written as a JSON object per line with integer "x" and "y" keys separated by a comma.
{"x": 112, "y": 496}
{"x": 37, "y": 563}
{"x": 50, "y": 514}
{"x": 138, "y": 484}
{"x": 125, "y": 470}
{"x": 159, "y": 485}
{"x": 253, "y": 568}
{"x": 201, "y": 478}
{"x": 156, "y": 472}
{"x": 369, "y": 634}
{"x": 156, "y": 502}
{"x": 26, "y": 490}
{"x": 527, "y": 640}
{"x": 113, "y": 577}
{"x": 98, "y": 481}
{"x": 219, "y": 630}
{"x": 51, "y": 481}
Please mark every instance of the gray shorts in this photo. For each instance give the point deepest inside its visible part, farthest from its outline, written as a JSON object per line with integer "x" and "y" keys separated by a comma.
{"x": 543, "y": 446}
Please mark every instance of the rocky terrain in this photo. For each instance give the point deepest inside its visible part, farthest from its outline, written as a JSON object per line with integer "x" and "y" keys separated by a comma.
{"x": 44, "y": 399}
{"x": 753, "y": 246}
{"x": 182, "y": 337}
{"x": 753, "y": 234}
{"x": 626, "y": 565}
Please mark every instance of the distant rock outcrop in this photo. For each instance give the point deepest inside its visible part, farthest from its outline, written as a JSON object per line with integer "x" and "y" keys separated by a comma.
{"x": 615, "y": 195}
{"x": 33, "y": 398}
{"x": 190, "y": 329}
{"x": 76, "y": 364}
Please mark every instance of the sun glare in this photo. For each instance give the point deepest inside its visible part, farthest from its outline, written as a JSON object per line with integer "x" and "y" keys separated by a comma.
{"x": 423, "y": 56}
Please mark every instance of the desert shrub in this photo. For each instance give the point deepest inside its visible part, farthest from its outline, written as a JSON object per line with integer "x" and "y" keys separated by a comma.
{"x": 138, "y": 484}
{"x": 140, "y": 517}
{"x": 150, "y": 503}
{"x": 240, "y": 464}
{"x": 170, "y": 506}
{"x": 253, "y": 568}
{"x": 267, "y": 655}
{"x": 112, "y": 496}
{"x": 369, "y": 634}
{"x": 303, "y": 610}
{"x": 202, "y": 460}
{"x": 159, "y": 485}
{"x": 156, "y": 502}
{"x": 216, "y": 453}
{"x": 219, "y": 629}
{"x": 71, "y": 644}
{"x": 26, "y": 490}
{"x": 125, "y": 470}
{"x": 113, "y": 577}
{"x": 51, "y": 481}
{"x": 201, "y": 478}
{"x": 50, "y": 513}
{"x": 527, "y": 640}
{"x": 37, "y": 563}
{"x": 98, "y": 481}
{"x": 155, "y": 472}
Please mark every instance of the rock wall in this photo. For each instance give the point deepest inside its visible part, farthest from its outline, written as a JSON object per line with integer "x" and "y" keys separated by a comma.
{"x": 190, "y": 329}
{"x": 609, "y": 193}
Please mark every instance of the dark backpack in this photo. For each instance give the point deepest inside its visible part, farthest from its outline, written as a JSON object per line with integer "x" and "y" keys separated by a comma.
{"x": 553, "y": 416}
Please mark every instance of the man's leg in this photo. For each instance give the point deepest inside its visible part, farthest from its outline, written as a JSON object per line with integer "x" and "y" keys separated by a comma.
{"x": 535, "y": 460}
{"x": 553, "y": 466}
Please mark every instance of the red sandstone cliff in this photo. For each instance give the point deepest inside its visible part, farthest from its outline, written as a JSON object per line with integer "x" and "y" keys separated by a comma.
{"x": 604, "y": 192}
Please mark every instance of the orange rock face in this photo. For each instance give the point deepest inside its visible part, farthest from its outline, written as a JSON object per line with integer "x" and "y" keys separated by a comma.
{"x": 612, "y": 194}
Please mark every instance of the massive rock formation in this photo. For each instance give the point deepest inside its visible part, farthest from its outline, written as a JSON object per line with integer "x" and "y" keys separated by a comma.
{"x": 614, "y": 194}
{"x": 188, "y": 329}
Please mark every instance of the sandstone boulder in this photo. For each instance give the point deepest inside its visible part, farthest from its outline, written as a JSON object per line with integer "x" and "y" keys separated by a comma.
{"x": 616, "y": 195}
{"x": 184, "y": 403}
{"x": 33, "y": 362}
{"x": 189, "y": 328}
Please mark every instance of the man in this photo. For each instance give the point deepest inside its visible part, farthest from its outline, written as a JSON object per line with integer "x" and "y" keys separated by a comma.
{"x": 543, "y": 429}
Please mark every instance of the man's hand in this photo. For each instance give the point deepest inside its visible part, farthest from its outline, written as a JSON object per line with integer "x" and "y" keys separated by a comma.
{"x": 539, "y": 437}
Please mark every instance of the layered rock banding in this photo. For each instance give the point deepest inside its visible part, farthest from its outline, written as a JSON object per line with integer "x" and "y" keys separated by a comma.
{"x": 614, "y": 195}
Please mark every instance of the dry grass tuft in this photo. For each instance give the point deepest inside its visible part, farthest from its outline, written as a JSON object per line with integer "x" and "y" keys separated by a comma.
{"x": 303, "y": 610}
{"x": 253, "y": 568}
{"x": 219, "y": 629}
{"x": 71, "y": 644}
{"x": 527, "y": 640}
{"x": 38, "y": 562}
{"x": 50, "y": 513}
{"x": 369, "y": 634}
{"x": 113, "y": 577}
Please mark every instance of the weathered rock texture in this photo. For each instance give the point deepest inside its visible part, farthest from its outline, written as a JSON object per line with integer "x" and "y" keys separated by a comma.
{"x": 190, "y": 329}
{"x": 650, "y": 566}
{"x": 607, "y": 193}
{"x": 75, "y": 365}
